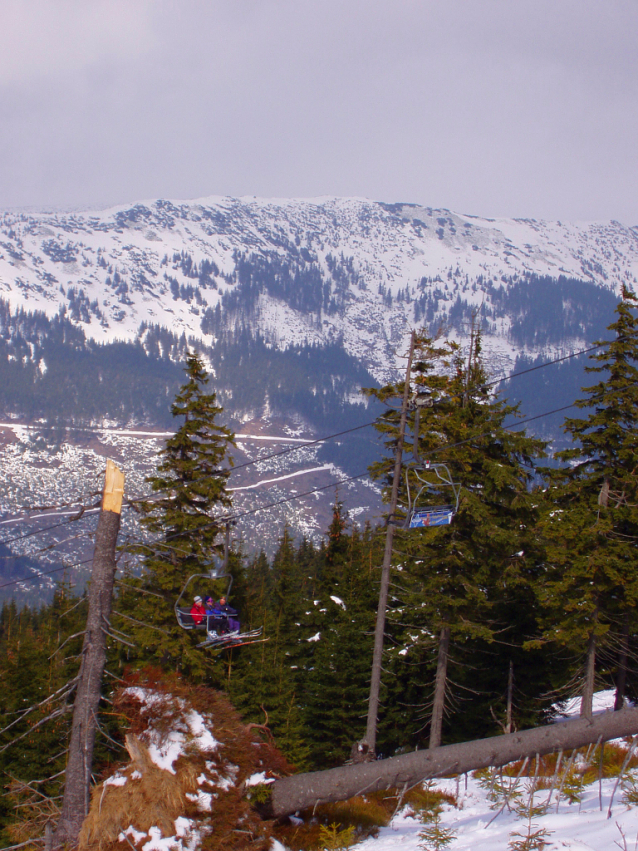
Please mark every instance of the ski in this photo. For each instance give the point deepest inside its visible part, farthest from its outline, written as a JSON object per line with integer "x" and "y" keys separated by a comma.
{"x": 231, "y": 640}
{"x": 232, "y": 645}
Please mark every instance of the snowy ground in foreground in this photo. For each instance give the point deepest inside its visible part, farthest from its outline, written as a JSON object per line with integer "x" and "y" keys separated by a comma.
{"x": 579, "y": 827}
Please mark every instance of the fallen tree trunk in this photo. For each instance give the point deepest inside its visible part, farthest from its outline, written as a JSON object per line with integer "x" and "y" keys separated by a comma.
{"x": 300, "y": 791}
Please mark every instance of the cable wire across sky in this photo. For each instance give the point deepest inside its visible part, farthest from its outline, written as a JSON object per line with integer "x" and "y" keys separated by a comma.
{"x": 248, "y": 512}
{"x": 334, "y": 435}
{"x": 234, "y": 517}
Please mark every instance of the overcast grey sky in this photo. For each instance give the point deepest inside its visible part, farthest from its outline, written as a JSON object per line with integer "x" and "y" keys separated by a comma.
{"x": 491, "y": 107}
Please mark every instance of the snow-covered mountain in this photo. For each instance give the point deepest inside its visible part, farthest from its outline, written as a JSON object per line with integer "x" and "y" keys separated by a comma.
{"x": 295, "y": 304}
{"x": 303, "y": 271}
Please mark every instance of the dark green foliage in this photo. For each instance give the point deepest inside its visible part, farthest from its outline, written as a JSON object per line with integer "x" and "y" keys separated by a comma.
{"x": 467, "y": 576}
{"x": 296, "y": 279}
{"x": 48, "y": 369}
{"x": 15, "y": 567}
{"x": 315, "y": 382}
{"x": 546, "y": 310}
{"x": 591, "y": 521}
{"x": 191, "y": 488}
{"x": 544, "y": 390}
{"x": 310, "y": 679}
{"x": 264, "y": 683}
{"x": 38, "y": 656}
{"x": 540, "y": 311}
{"x": 338, "y": 628}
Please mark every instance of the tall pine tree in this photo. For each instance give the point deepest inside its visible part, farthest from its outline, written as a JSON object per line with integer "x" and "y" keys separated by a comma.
{"x": 180, "y": 521}
{"x": 337, "y": 641}
{"x": 451, "y": 576}
{"x": 590, "y": 590}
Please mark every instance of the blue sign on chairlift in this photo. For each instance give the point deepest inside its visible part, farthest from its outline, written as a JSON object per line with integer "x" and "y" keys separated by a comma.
{"x": 440, "y": 515}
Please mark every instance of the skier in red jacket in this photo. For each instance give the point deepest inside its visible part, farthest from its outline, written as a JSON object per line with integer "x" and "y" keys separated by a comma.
{"x": 198, "y": 612}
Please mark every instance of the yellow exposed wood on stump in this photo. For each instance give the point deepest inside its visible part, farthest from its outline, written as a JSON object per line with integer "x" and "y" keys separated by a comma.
{"x": 113, "y": 488}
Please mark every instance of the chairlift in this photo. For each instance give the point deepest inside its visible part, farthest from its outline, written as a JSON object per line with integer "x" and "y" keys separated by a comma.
{"x": 422, "y": 480}
{"x": 440, "y": 515}
{"x": 423, "y": 477}
{"x": 217, "y": 584}
{"x": 211, "y": 581}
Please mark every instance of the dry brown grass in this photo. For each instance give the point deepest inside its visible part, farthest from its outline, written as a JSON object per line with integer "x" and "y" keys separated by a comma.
{"x": 365, "y": 813}
{"x": 33, "y": 810}
{"x": 158, "y": 797}
{"x": 426, "y": 799}
{"x": 586, "y": 762}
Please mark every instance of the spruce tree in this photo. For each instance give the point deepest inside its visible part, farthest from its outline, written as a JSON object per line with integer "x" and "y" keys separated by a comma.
{"x": 338, "y": 627}
{"x": 591, "y": 522}
{"x": 264, "y": 684}
{"x": 450, "y": 576}
{"x": 183, "y": 523}
{"x": 39, "y": 656}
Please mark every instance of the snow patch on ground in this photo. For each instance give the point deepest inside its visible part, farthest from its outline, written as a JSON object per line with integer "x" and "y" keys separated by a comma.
{"x": 135, "y": 835}
{"x": 258, "y": 779}
{"x": 165, "y": 749}
{"x": 202, "y": 737}
{"x": 481, "y": 825}
{"x": 603, "y": 701}
{"x": 186, "y": 838}
{"x": 165, "y": 753}
{"x": 583, "y": 826}
{"x": 115, "y": 780}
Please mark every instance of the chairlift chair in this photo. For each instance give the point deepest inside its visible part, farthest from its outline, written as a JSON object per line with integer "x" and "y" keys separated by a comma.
{"x": 217, "y": 572}
{"x": 422, "y": 472}
{"x": 421, "y": 480}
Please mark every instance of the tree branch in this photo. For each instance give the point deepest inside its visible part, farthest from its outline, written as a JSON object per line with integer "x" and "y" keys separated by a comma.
{"x": 56, "y": 714}
{"x": 68, "y": 685}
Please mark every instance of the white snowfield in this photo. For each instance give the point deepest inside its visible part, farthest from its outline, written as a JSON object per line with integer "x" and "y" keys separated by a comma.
{"x": 578, "y": 827}
{"x": 583, "y": 826}
{"x": 127, "y": 263}
{"x": 603, "y": 701}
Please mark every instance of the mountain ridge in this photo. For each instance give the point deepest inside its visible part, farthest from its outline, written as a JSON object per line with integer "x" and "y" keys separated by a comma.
{"x": 369, "y": 269}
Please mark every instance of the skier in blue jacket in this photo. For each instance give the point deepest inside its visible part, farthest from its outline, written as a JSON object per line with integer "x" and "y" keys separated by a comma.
{"x": 215, "y": 617}
{"x": 231, "y": 615}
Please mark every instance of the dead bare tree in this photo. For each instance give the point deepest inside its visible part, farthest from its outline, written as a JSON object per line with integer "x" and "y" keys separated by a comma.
{"x": 368, "y": 745}
{"x": 75, "y": 804}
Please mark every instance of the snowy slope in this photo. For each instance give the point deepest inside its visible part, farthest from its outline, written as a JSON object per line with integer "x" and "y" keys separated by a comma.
{"x": 351, "y": 272}
{"x": 580, "y": 826}
{"x": 483, "y": 818}
{"x": 117, "y": 268}
{"x": 596, "y": 823}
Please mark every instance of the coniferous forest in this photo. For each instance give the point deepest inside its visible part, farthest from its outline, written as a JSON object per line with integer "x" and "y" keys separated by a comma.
{"x": 528, "y": 597}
